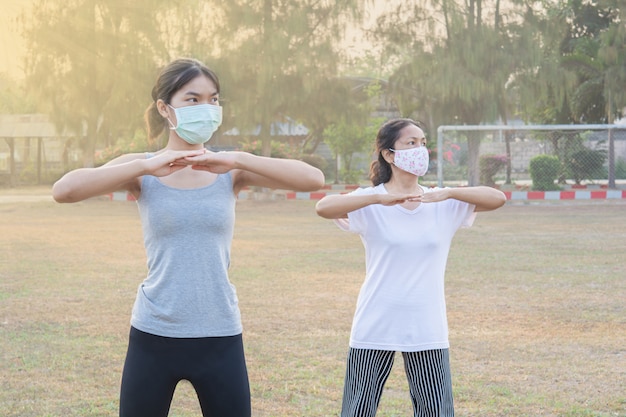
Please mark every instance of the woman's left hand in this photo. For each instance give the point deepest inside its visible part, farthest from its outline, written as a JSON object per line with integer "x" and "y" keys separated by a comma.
{"x": 261, "y": 171}
{"x": 435, "y": 196}
{"x": 482, "y": 197}
{"x": 215, "y": 162}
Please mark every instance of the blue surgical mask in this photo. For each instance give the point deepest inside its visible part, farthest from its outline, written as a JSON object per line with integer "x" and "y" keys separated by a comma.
{"x": 196, "y": 124}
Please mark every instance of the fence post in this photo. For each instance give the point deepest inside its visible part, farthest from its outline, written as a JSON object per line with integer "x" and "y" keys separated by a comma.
{"x": 440, "y": 156}
{"x": 611, "y": 156}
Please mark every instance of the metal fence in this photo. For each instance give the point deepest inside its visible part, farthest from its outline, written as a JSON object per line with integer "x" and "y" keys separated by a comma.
{"x": 540, "y": 157}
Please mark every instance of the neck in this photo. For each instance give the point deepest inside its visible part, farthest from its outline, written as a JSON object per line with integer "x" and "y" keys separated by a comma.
{"x": 406, "y": 183}
{"x": 177, "y": 144}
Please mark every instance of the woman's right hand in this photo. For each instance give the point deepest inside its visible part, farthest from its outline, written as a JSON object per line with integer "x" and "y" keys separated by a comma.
{"x": 337, "y": 206}
{"x": 394, "y": 199}
{"x": 169, "y": 161}
{"x": 122, "y": 173}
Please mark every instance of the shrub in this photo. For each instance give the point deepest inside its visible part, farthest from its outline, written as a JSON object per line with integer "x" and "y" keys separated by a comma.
{"x": 489, "y": 166}
{"x": 620, "y": 169}
{"x": 586, "y": 164}
{"x": 544, "y": 170}
{"x": 351, "y": 176}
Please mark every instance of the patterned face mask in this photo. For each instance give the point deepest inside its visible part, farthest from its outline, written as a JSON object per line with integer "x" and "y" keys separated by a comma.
{"x": 196, "y": 124}
{"x": 413, "y": 160}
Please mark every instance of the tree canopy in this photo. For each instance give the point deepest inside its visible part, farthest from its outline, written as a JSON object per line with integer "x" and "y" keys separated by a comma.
{"x": 91, "y": 63}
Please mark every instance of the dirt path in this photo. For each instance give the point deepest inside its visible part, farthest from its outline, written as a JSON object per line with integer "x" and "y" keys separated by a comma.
{"x": 26, "y": 195}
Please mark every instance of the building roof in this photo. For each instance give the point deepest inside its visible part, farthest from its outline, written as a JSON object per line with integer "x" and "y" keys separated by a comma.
{"x": 28, "y": 126}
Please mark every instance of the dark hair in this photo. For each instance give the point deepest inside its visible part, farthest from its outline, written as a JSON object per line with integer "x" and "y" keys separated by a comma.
{"x": 171, "y": 79}
{"x": 388, "y": 134}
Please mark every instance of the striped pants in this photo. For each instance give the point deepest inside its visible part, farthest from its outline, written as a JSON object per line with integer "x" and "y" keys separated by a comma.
{"x": 428, "y": 374}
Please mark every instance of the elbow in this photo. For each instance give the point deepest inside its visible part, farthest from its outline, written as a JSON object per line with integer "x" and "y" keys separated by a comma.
{"x": 321, "y": 211}
{"x": 318, "y": 180}
{"x": 494, "y": 200}
{"x": 313, "y": 181}
{"x": 61, "y": 193}
{"x": 500, "y": 199}
{"x": 324, "y": 208}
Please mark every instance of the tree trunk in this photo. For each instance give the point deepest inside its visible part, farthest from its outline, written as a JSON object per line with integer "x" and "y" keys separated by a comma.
{"x": 473, "y": 153}
{"x": 39, "y": 159}
{"x": 266, "y": 117}
{"x": 89, "y": 144}
{"x": 11, "y": 143}
{"x": 611, "y": 156}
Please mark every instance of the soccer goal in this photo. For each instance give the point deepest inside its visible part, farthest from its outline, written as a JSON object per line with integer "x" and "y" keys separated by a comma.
{"x": 544, "y": 157}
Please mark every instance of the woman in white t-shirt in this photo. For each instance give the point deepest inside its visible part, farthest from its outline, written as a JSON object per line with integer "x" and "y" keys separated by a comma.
{"x": 406, "y": 231}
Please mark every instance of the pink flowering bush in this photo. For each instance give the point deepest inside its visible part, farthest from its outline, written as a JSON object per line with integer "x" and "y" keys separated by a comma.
{"x": 137, "y": 143}
{"x": 450, "y": 151}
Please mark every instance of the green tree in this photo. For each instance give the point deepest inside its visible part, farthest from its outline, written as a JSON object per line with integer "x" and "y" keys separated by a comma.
{"x": 579, "y": 76}
{"x": 277, "y": 59}
{"x": 541, "y": 86}
{"x": 13, "y": 100}
{"x": 580, "y": 47}
{"x": 354, "y": 133}
{"x": 90, "y": 64}
{"x": 580, "y": 63}
{"x": 334, "y": 100}
{"x": 613, "y": 53}
{"x": 346, "y": 140}
{"x": 459, "y": 73}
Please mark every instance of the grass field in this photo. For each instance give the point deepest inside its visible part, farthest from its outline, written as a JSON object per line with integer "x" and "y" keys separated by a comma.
{"x": 536, "y": 305}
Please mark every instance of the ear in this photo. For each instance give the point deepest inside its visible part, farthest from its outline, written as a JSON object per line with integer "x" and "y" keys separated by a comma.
{"x": 162, "y": 108}
{"x": 387, "y": 155}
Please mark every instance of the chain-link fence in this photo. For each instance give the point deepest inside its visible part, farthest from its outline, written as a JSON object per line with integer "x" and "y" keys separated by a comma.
{"x": 538, "y": 157}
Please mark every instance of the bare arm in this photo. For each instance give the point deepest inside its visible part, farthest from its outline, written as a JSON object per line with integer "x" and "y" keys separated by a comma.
{"x": 484, "y": 198}
{"x": 339, "y": 205}
{"x": 122, "y": 173}
{"x": 253, "y": 170}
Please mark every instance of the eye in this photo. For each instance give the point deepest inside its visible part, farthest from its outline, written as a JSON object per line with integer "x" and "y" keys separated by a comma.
{"x": 192, "y": 99}
{"x": 215, "y": 99}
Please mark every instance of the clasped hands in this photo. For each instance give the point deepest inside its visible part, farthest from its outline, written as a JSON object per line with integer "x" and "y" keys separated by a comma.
{"x": 429, "y": 197}
{"x": 170, "y": 161}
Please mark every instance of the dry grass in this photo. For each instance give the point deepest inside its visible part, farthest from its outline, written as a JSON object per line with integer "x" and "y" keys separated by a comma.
{"x": 536, "y": 302}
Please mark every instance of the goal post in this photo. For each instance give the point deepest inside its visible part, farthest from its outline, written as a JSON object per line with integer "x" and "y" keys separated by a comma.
{"x": 501, "y": 155}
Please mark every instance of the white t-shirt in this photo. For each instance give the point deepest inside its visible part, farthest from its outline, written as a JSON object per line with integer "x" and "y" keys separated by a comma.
{"x": 401, "y": 305}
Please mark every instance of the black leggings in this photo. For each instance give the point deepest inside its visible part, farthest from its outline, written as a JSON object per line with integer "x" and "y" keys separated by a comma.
{"x": 215, "y": 366}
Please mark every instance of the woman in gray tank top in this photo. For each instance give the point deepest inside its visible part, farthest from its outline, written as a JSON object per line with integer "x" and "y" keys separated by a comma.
{"x": 185, "y": 322}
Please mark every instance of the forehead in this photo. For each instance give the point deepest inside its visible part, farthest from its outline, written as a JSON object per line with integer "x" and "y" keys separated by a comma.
{"x": 411, "y": 132}
{"x": 199, "y": 85}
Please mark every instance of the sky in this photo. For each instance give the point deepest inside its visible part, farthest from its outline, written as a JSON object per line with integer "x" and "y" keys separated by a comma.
{"x": 12, "y": 45}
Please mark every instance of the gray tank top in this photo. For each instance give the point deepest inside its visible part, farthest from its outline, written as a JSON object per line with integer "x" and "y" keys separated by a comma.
{"x": 187, "y": 234}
